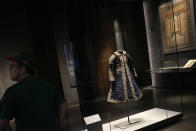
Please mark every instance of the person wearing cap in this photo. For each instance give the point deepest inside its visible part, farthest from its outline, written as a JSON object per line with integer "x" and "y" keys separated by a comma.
{"x": 34, "y": 104}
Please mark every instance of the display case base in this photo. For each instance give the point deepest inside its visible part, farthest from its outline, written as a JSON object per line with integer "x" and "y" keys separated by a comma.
{"x": 126, "y": 124}
{"x": 148, "y": 120}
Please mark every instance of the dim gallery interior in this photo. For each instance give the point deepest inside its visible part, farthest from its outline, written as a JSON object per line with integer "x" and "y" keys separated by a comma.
{"x": 121, "y": 65}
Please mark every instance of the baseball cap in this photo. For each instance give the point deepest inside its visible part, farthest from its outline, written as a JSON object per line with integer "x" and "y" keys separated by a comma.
{"x": 23, "y": 59}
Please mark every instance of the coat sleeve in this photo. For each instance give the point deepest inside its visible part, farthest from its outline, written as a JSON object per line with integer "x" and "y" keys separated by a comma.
{"x": 131, "y": 65}
{"x": 112, "y": 68}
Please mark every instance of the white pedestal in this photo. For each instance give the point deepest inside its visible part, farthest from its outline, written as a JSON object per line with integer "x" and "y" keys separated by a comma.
{"x": 149, "y": 119}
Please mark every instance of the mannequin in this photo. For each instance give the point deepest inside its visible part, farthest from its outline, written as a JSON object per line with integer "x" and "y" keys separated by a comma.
{"x": 123, "y": 88}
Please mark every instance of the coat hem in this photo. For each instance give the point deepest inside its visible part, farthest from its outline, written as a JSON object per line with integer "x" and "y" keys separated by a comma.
{"x": 124, "y": 101}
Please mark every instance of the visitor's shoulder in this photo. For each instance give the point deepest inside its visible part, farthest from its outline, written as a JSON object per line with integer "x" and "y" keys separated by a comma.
{"x": 12, "y": 87}
{"x": 46, "y": 83}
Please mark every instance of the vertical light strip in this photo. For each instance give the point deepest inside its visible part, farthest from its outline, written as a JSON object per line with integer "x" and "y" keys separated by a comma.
{"x": 118, "y": 35}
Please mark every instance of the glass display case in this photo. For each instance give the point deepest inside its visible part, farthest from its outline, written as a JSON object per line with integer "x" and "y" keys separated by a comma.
{"x": 157, "y": 55}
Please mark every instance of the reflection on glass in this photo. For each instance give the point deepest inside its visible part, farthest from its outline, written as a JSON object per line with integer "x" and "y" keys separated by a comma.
{"x": 71, "y": 65}
{"x": 118, "y": 35}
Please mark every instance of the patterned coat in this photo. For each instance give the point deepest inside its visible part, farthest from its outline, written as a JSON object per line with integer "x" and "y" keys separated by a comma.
{"x": 123, "y": 86}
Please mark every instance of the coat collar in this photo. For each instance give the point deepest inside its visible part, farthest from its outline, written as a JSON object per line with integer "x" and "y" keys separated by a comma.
{"x": 118, "y": 53}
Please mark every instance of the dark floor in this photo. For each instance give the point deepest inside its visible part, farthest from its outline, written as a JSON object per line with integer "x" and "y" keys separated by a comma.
{"x": 161, "y": 98}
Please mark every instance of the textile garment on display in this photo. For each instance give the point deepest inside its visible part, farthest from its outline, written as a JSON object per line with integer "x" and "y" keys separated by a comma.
{"x": 121, "y": 75}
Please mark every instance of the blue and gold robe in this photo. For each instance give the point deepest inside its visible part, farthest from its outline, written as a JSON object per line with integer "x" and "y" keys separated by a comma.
{"x": 121, "y": 74}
